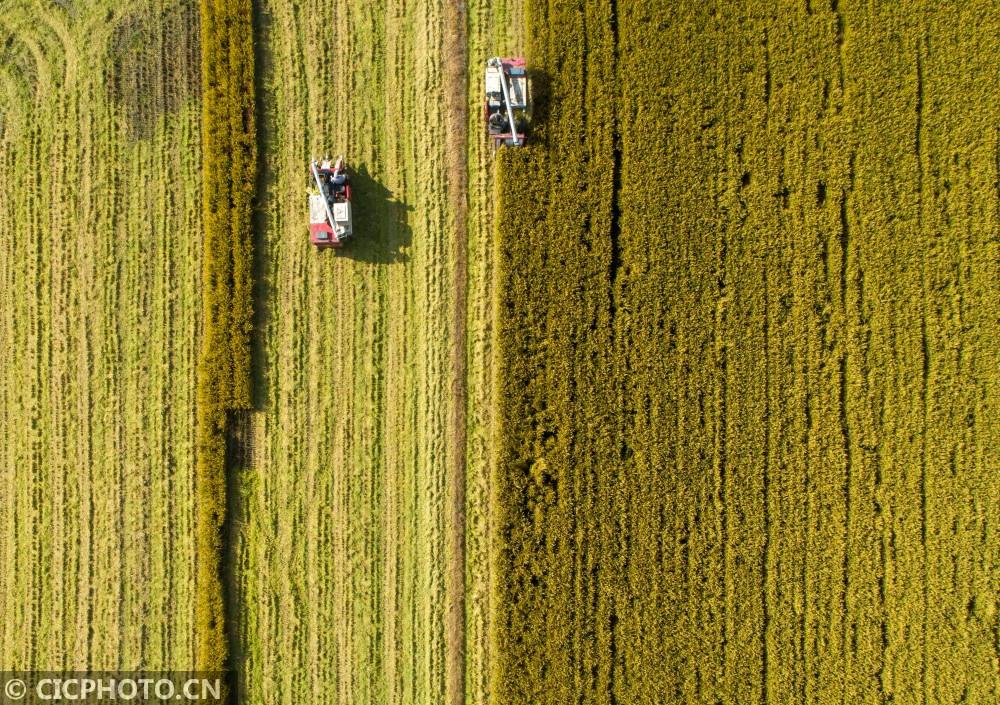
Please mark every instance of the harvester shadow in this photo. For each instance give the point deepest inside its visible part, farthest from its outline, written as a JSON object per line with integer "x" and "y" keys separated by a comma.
{"x": 541, "y": 100}
{"x": 382, "y": 232}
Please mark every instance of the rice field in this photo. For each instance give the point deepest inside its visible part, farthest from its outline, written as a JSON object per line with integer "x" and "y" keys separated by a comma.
{"x": 693, "y": 399}
{"x": 367, "y": 452}
{"x": 100, "y": 225}
{"x": 361, "y": 464}
{"x": 747, "y": 358}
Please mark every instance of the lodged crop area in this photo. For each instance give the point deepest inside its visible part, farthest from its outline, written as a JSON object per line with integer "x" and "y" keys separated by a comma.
{"x": 747, "y": 387}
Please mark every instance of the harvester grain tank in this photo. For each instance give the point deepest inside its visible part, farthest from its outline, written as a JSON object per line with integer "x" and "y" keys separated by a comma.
{"x": 330, "y": 204}
{"x": 507, "y": 103}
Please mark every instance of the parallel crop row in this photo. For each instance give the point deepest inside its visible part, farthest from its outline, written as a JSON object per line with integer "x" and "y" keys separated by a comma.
{"x": 100, "y": 236}
{"x": 229, "y": 146}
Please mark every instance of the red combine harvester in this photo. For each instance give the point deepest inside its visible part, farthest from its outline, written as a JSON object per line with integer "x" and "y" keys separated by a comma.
{"x": 506, "y": 105}
{"x": 330, "y": 209}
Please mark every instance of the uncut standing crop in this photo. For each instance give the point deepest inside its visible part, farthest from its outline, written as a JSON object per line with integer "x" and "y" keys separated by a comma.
{"x": 781, "y": 484}
{"x": 230, "y": 161}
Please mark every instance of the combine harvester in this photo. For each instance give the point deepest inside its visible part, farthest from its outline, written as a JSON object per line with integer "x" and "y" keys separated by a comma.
{"x": 506, "y": 104}
{"x": 330, "y": 209}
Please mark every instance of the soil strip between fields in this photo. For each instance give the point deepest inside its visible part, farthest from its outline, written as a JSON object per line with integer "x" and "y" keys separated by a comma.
{"x": 456, "y": 138}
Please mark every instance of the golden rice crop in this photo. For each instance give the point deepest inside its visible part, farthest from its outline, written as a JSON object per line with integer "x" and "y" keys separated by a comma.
{"x": 744, "y": 349}
{"x": 229, "y": 147}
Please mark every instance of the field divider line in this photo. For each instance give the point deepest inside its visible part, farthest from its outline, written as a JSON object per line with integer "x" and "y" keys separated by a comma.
{"x": 456, "y": 141}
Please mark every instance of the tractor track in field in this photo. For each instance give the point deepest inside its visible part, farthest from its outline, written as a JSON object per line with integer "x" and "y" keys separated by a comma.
{"x": 373, "y": 475}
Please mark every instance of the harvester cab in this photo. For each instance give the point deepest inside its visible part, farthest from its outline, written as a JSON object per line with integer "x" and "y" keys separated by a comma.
{"x": 330, "y": 204}
{"x": 507, "y": 103}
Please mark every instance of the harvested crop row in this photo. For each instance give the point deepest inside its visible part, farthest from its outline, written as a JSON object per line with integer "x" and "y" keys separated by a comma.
{"x": 495, "y": 29}
{"x": 781, "y": 486}
{"x": 100, "y": 227}
{"x": 229, "y": 152}
{"x": 351, "y": 551}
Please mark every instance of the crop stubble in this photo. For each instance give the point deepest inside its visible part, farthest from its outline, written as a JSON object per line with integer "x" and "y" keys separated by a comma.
{"x": 100, "y": 272}
{"x": 344, "y": 526}
{"x": 353, "y": 511}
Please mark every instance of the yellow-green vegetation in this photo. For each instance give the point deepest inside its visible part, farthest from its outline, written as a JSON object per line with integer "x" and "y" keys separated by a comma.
{"x": 360, "y": 434}
{"x": 351, "y": 522}
{"x": 229, "y": 170}
{"x": 494, "y": 29}
{"x": 747, "y": 372}
{"x": 100, "y": 266}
